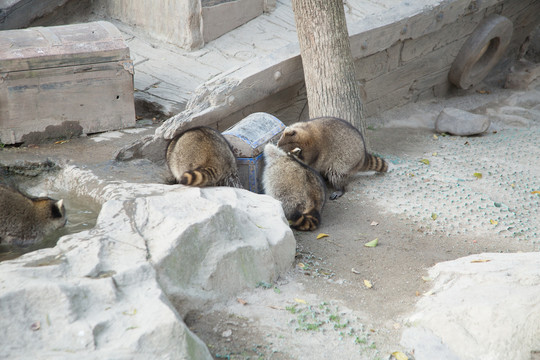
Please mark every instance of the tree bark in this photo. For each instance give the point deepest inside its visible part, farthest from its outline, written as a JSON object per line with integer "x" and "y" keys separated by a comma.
{"x": 329, "y": 73}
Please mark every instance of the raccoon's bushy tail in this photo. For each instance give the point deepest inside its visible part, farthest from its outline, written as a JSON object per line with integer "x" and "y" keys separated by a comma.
{"x": 373, "y": 162}
{"x": 199, "y": 177}
{"x": 307, "y": 221}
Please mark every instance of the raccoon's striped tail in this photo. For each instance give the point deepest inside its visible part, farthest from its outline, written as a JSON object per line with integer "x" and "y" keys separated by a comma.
{"x": 373, "y": 162}
{"x": 199, "y": 177}
{"x": 307, "y": 221}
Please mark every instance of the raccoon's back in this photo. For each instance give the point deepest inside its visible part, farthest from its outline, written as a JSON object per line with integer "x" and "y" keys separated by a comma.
{"x": 202, "y": 157}
{"x": 300, "y": 189}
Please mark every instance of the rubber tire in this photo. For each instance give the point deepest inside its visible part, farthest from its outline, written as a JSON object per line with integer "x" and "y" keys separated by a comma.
{"x": 481, "y": 52}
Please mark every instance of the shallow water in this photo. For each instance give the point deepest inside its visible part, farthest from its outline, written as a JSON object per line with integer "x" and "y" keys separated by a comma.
{"x": 81, "y": 215}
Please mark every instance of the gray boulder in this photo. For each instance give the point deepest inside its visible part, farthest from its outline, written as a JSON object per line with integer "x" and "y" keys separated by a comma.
{"x": 459, "y": 122}
{"x": 480, "y": 307}
{"x": 119, "y": 290}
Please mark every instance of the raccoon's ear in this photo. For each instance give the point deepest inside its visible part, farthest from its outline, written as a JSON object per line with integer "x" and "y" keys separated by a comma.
{"x": 289, "y": 132}
{"x": 57, "y": 208}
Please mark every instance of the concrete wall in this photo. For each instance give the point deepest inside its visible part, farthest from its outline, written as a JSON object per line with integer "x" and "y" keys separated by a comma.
{"x": 17, "y": 14}
{"x": 188, "y": 24}
{"x": 398, "y": 63}
{"x": 412, "y": 58}
{"x": 173, "y": 21}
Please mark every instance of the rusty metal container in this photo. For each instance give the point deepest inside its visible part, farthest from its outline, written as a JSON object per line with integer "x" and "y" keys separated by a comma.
{"x": 248, "y": 138}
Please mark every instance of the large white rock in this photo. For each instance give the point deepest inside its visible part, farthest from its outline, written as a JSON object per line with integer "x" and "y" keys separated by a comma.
{"x": 106, "y": 293}
{"x": 479, "y": 310}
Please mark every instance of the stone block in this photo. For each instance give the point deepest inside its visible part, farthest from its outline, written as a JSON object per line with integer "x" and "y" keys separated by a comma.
{"x": 72, "y": 79}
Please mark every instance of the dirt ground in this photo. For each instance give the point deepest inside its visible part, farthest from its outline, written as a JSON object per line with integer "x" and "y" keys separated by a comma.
{"x": 443, "y": 198}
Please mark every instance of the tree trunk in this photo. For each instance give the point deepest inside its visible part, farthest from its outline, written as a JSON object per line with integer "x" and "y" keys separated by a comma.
{"x": 329, "y": 73}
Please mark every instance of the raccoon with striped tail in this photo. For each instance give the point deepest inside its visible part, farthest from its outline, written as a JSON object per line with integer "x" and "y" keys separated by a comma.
{"x": 201, "y": 157}
{"x": 300, "y": 189}
{"x": 26, "y": 220}
{"x": 334, "y": 148}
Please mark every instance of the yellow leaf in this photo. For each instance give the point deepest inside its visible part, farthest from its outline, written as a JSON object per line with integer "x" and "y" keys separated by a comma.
{"x": 513, "y": 185}
{"x": 477, "y": 175}
{"x": 425, "y": 161}
{"x": 535, "y": 192}
{"x": 434, "y": 216}
{"x": 372, "y": 243}
{"x": 321, "y": 235}
{"x": 435, "y": 137}
{"x": 480, "y": 261}
{"x": 301, "y": 265}
{"x": 494, "y": 222}
{"x": 61, "y": 142}
{"x": 368, "y": 284}
{"x": 300, "y": 301}
{"x": 434, "y": 154}
{"x": 398, "y": 355}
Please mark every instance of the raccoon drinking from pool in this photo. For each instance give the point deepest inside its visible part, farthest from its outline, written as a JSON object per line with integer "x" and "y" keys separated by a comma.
{"x": 25, "y": 220}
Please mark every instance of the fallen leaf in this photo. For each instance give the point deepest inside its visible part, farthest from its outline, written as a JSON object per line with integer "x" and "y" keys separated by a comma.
{"x": 513, "y": 185}
{"x": 61, "y": 142}
{"x": 321, "y": 235}
{"x": 426, "y": 278}
{"x": 398, "y": 355}
{"x": 493, "y": 222}
{"x": 480, "y": 261}
{"x": 417, "y": 293}
{"x": 435, "y": 136}
{"x": 483, "y": 91}
{"x": 535, "y": 192}
{"x": 477, "y": 175}
{"x": 372, "y": 243}
{"x": 242, "y": 301}
{"x": 429, "y": 293}
{"x": 434, "y": 216}
{"x": 411, "y": 174}
{"x": 466, "y": 143}
{"x": 130, "y": 313}
{"x": 355, "y": 271}
{"x": 368, "y": 284}
{"x": 374, "y": 223}
{"x": 434, "y": 154}
{"x": 301, "y": 265}
{"x": 425, "y": 161}
{"x": 276, "y": 307}
{"x": 300, "y": 301}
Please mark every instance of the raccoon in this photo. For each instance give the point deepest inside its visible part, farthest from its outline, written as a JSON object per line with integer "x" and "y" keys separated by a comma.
{"x": 334, "y": 148}
{"x": 300, "y": 189}
{"x": 25, "y": 220}
{"x": 201, "y": 156}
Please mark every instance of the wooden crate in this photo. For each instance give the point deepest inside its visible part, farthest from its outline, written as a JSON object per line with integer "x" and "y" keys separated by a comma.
{"x": 63, "y": 81}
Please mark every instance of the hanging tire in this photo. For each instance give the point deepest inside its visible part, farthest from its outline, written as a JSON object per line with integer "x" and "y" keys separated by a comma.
{"x": 481, "y": 52}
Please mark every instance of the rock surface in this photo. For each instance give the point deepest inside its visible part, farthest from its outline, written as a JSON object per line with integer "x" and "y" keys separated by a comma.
{"x": 119, "y": 290}
{"x": 480, "y": 307}
{"x": 461, "y": 122}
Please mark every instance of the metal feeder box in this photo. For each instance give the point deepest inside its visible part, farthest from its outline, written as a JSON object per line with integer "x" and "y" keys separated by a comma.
{"x": 248, "y": 138}
{"x": 63, "y": 81}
